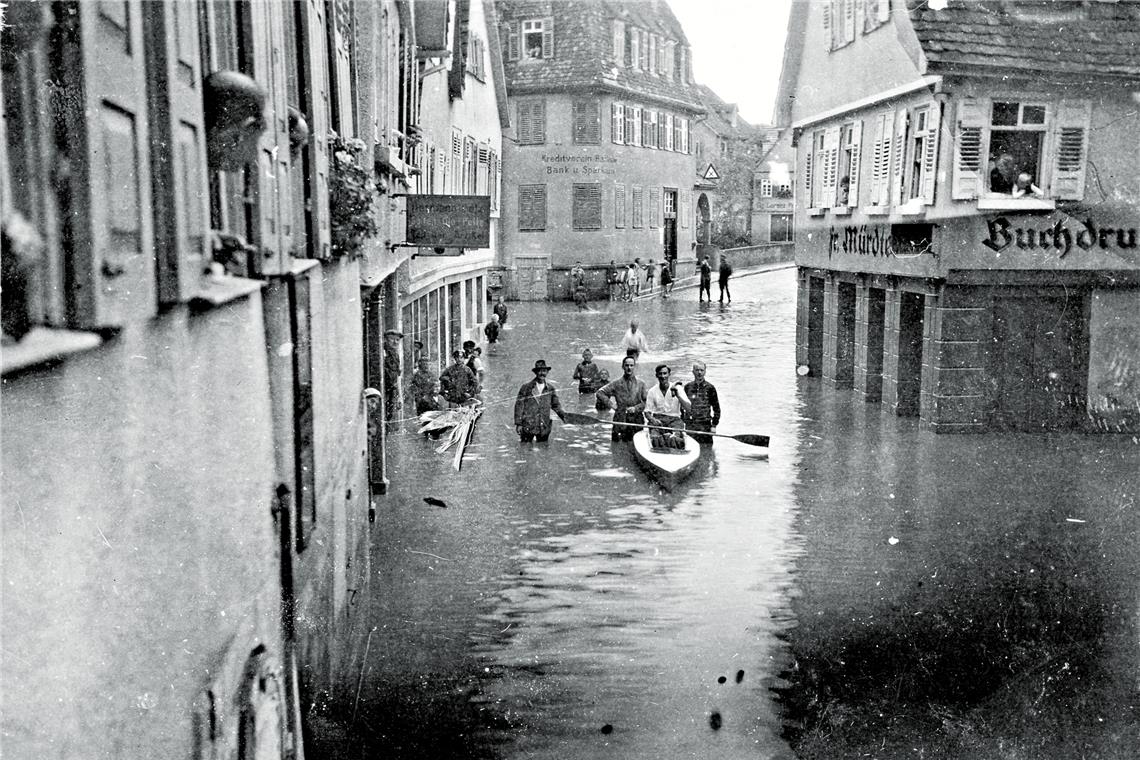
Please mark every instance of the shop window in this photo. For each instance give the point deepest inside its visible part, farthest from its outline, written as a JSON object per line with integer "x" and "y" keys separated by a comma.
{"x": 532, "y": 122}
{"x": 1021, "y": 149}
{"x": 586, "y": 213}
{"x": 587, "y": 122}
{"x": 532, "y": 208}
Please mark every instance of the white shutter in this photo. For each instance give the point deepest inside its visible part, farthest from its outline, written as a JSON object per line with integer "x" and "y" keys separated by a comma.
{"x": 930, "y": 153}
{"x": 969, "y": 149}
{"x": 617, "y": 123}
{"x": 548, "y": 37}
{"x": 880, "y": 145}
{"x": 808, "y": 163}
{"x": 511, "y": 32}
{"x": 898, "y": 163}
{"x": 848, "y": 20}
{"x": 1070, "y": 149}
{"x": 856, "y": 164}
{"x": 830, "y": 164}
{"x": 669, "y": 131}
{"x": 828, "y": 34}
{"x": 619, "y": 42}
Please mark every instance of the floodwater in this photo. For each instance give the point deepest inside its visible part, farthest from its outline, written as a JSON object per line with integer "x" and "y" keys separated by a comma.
{"x": 869, "y": 589}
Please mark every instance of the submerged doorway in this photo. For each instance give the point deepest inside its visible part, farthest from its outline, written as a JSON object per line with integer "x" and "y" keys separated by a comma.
{"x": 670, "y": 229}
{"x": 876, "y": 327}
{"x": 911, "y": 308}
{"x": 845, "y": 335}
{"x": 815, "y": 327}
{"x": 1040, "y": 362}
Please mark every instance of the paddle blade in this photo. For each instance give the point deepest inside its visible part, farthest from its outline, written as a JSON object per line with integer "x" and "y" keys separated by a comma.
{"x": 573, "y": 418}
{"x": 752, "y": 439}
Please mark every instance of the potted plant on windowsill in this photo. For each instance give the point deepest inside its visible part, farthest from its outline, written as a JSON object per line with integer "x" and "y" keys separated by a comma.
{"x": 352, "y": 191}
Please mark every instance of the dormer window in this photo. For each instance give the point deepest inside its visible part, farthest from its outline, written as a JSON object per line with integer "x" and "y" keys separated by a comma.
{"x": 532, "y": 38}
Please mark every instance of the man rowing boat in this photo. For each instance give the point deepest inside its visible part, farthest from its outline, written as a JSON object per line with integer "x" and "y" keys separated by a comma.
{"x": 664, "y": 404}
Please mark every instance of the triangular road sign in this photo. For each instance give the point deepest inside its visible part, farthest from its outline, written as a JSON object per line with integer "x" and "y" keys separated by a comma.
{"x": 711, "y": 173}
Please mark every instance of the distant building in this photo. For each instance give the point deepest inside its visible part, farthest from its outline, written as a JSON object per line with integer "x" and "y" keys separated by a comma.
{"x": 773, "y": 205}
{"x": 966, "y": 197}
{"x": 597, "y": 161}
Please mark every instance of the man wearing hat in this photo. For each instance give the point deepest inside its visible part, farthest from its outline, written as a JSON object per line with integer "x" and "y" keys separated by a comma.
{"x": 535, "y": 401}
{"x": 392, "y": 372}
{"x": 458, "y": 381}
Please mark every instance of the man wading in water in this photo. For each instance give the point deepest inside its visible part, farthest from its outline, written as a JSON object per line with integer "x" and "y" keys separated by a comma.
{"x": 626, "y": 396}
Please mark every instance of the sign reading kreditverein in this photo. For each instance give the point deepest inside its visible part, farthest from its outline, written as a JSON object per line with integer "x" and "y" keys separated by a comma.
{"x": 449, "y": 221}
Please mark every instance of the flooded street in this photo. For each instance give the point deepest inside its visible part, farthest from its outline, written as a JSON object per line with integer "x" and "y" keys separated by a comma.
{"x": 868, "y": 586}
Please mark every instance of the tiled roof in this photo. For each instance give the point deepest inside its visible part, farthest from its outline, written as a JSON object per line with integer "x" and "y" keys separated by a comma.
{"x": 720, "y": 121}
{"x": 583, "y": 48}
{"x": 1101, "y": 39}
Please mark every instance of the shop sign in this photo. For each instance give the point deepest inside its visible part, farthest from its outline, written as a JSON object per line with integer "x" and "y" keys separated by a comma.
{"x": 449, "y": 221}
{"x": 884, "y": 242}
{"x": 1059, "y": 237}
{"x": 588, "y": 166}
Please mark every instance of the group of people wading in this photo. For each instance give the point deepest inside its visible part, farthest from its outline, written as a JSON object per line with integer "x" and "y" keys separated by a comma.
{"x": 669, "y": 409}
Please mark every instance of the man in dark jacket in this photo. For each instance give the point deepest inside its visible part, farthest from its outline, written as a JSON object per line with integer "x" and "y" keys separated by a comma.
{"x": 491, "y": 330}
{"x": 704, "y": 414}
{"x": 588, "y": 374}
{"x": 535, "y": 401}
{"x": 500, "y": 308}
{"x": 458, "y": 381}
{"x": 626, "y": 396}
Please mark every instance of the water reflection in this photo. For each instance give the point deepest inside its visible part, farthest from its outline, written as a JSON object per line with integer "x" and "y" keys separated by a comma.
{"x": 564, "y": 606}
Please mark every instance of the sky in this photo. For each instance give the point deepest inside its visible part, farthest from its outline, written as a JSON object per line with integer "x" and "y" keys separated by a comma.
{"x": 738, "y": 46}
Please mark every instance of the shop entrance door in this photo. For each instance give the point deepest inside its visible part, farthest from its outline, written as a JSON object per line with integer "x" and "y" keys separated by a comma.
{"x": 670, "y": 241}
{"x": 532, "y": 277}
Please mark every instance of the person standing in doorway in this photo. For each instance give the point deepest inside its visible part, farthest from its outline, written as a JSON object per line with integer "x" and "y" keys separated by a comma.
{"x": 706, "y": 280}
{"x": 724, "y": 273}
{"x": 626, "y": 396}
{"x": 704, "y": 414}
{"x": 536, "y": 400}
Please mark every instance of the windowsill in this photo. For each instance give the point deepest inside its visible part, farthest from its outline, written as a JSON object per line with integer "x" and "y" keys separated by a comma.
{"x": 841, "y": 211}
{"x": 45, "y": 344}
{"x": 1008, "y": 203}
{"x": 815, "y": 211}
{"x": 218, "y": 291}
{"x": 913, "y": 207}
{"x": 876, "y": 210}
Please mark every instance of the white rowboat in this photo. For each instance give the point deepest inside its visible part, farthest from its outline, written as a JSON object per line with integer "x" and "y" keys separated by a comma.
{"x": 667, "y": 466}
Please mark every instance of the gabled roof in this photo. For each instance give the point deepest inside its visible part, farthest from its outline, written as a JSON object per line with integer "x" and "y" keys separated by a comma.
{"x": 583, "y": 49}
{"x": 724, "y": 118}
{"x": 1099, "y": 39}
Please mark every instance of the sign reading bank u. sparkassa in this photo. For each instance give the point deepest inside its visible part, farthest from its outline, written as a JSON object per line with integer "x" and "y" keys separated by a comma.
{"x": 449, "y": 221}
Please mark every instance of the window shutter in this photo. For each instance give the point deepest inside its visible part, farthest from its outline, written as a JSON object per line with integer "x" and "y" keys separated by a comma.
{"x": 654, "y": 207}
{"x": 635, "y": 48}
{"x": 644, "y": 50}
{"x": 482, "y": 177}
{"x": 1070, "y": 149}
{"x": 848, "y": 20}
{"x": 664, "y": 130}
{"x": 877, "y": 148}
{"x": 638, "y": 207}
{"x": 617, "y": 123}
{"x": 884, "y": 10}
{"x": 856, "y": 164}
{"x": 532, "y": 207}
{"x": 969, "y": 165}
{"x": 525, "y": 122}
{"x": 587, "y": 207}
{"x": 587, "y": 122}
{"x": 548, "y": 37}
{"x": 511, "y": 32}
{"x": 808, "y": 162}
{"x": 686, "y": 211}
{"x": 830, "y": 166}
{"x": 538, "y": 110}
{"x": 648, "y": 128}
{"x": 113, "y": 241}
{"x": 619, "y": 205}
{"x": 635, "y": 135}
{"x": 898, "y": 165}
{"x": 930, "y": 154}
{"x": 181, "y": 195}
{"x": 316, "y": 72}
{"x": 619, "y": 42}
{"x": 828, "y": 33}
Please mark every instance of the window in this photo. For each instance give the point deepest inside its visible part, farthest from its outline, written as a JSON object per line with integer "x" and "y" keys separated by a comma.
{"x": 619, "y": 206}
{"x": 633, "y": 47}
{"x": 882, "y": 137}
{"x": 587, "y": 122}
{"x": 847, "y": 186}
{"x": 476, "y": 54}
{"x": 532, "y": 122}
{"x": 678, "y": 141}
{"x": 679, "y": 68}
{"x": 649, "y": 128}
{"x": 765, "y": 188}
{"x": 670, "y": 59}
{"x": 644, "y": 50}
{"x": 1031, "y": 148}
{"x": 532, "y": 208}
{"x": 587, "y": 207}
{"x": 684, "y": 136}
{"x": 617, "y": 123}
{"x": 632, "y": 125}
{"x": 664, "y": 132}
{"x": 619, "y": 42}
{"x": 875, "y": 14}
{"x": 922, "y": 154}
{"x": 538, "y": 38}
{"x": 638, "y": 207}
{"x": 654, "y": 207}
{"x": 652, "y": 54}
{"x": 839, "y": 23}
{"x": 816, "y": 170}
{"x": 780, "y": 230}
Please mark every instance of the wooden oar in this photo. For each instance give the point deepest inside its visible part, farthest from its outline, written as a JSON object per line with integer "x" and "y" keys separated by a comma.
{"x": 751, "y": 439}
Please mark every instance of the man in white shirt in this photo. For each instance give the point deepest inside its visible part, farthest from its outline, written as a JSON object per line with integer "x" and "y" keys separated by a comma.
{"x": 634, "y": 341}
{"x": 663, "y": 406}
